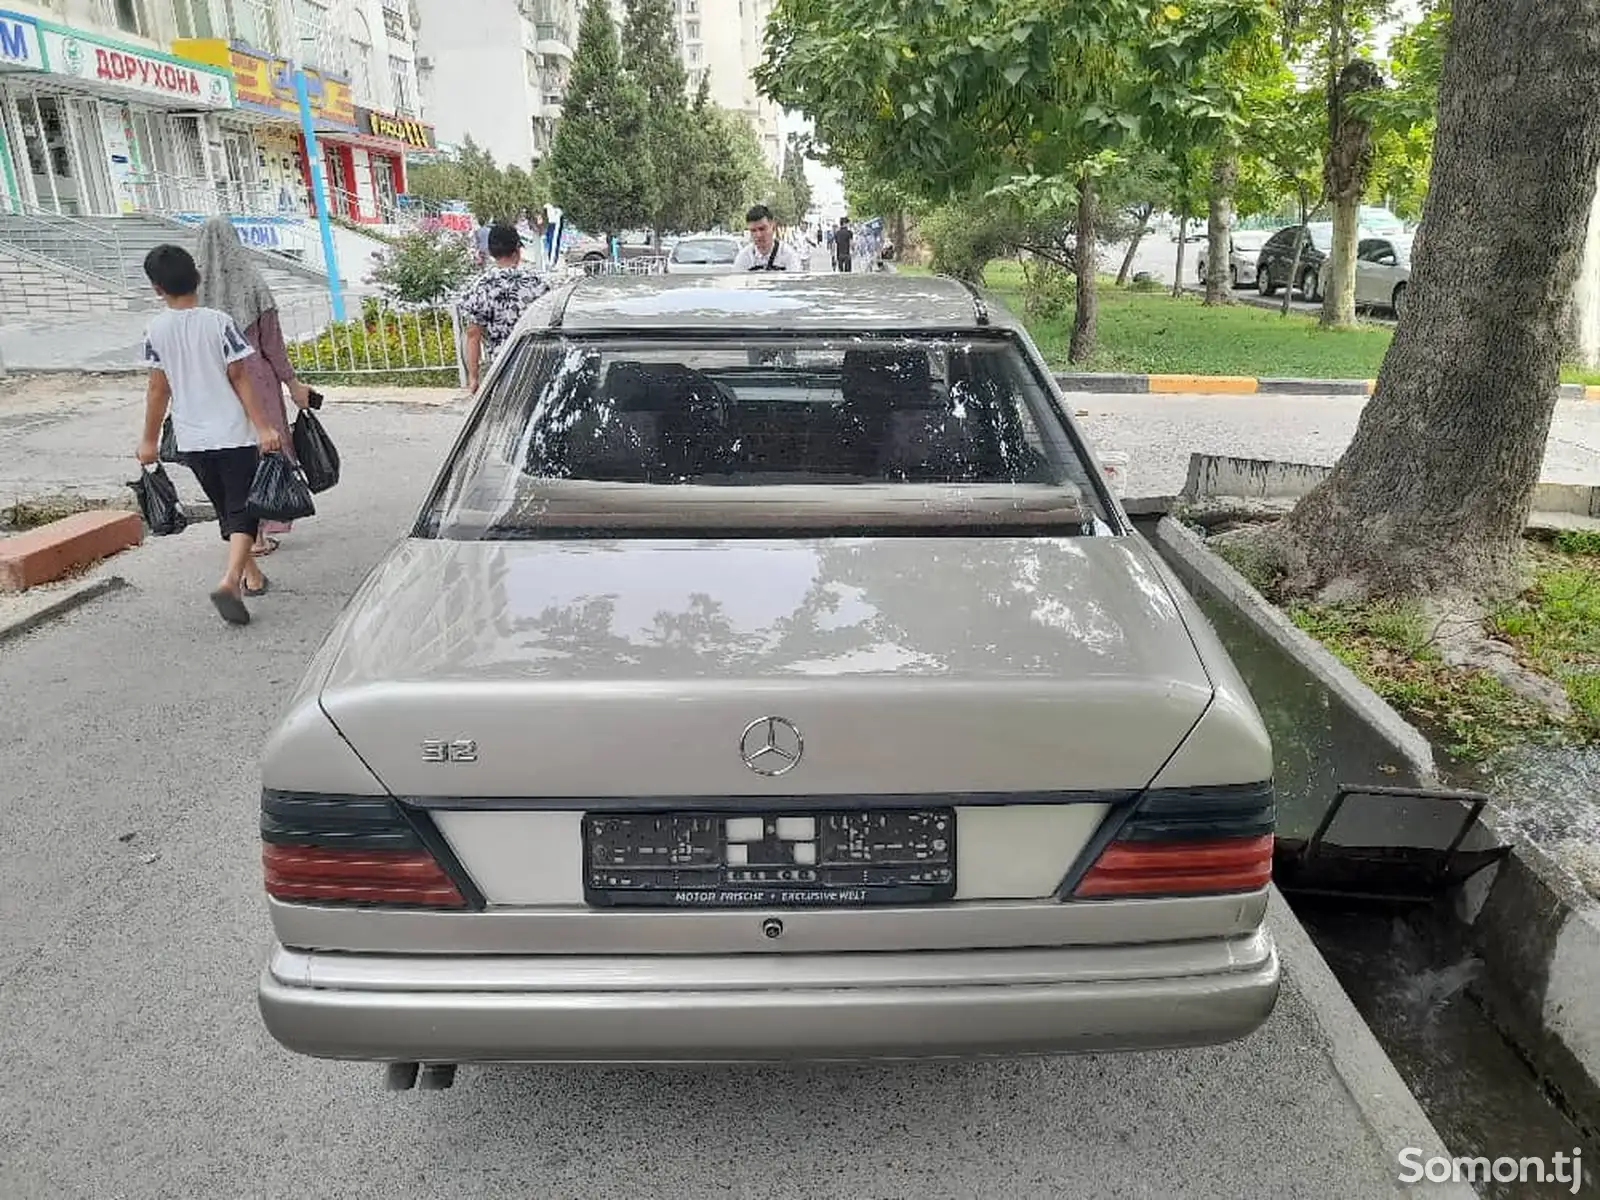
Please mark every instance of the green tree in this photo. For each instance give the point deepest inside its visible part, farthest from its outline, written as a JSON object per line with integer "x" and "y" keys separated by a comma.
{"x": 1433, "y": 493}
{"x": 794, "y": 175}
{"x": 597, "y": 173}
{"x": 1037, "y": 89}
{"x": 736, "y": 171}
{"x": 672, "y": 143}
{"x": 1282, "y": 145}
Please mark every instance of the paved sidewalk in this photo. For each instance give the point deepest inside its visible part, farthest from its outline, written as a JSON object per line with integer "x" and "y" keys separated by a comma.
{"x": 76, "y": 434}
{"x": 1160, "y": 432}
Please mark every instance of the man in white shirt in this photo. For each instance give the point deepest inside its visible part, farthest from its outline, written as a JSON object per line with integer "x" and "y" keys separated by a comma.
{"x": 764, "y": 252}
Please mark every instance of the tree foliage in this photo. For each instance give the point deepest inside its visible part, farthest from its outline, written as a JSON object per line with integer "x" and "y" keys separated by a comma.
{"x": 947, "y": 99}
{"x": 673, "y": 145}
{"x": 793, "y": 175}
{"x": 492, "y": 193}
{"x": 419, "y": 268}
{"x": 598, "y": 173}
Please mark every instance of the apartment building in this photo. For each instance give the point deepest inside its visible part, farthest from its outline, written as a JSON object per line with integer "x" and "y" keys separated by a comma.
{"x": 187, "y": 108}
{"x": 496, "y": 70}
{"x": 723, "y": 39}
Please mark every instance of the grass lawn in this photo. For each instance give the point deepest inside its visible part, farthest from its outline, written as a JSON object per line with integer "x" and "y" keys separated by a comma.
{"x": 1153, "y": 333}
{"x": 1553, "y": 628}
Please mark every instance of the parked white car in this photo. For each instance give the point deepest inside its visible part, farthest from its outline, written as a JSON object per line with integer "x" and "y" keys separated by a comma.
{"x": 1243, "y": 247}
{"x": 1383, "y": 272}
{"x": 703, "y": 255}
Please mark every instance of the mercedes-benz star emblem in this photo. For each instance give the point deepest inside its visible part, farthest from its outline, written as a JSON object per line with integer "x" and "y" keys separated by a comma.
{"x": 771, "y": 746}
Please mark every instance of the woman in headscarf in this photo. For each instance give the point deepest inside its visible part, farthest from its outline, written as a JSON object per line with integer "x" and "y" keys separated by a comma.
{"x": 230, "y": 282}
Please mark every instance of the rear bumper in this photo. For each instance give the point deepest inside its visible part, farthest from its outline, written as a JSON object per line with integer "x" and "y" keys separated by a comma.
{"x": 768, "y": 1007}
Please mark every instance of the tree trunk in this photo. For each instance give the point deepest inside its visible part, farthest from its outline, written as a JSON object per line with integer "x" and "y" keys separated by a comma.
{"x": 1224, "y": 178}
{"x": 1339, "y": 300}
{"x": 1133, "y": 247}
{"x": 1087, "y": 305}
{"x": 1345, "y": 168}
{"x": 1177, "y": 271}
{"x": 1294, "y": 264}
{"x": 1434, "y": 491}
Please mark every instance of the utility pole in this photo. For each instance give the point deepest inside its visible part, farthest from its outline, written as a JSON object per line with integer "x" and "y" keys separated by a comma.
{"x": 308, "y": 131}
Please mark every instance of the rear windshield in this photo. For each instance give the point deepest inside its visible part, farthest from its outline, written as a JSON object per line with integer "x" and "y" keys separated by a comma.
{"x": 705, "y": 252}
{"x": 734, "y": 436}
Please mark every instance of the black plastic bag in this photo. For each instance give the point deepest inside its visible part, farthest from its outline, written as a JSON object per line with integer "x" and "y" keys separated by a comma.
{"x": 279, "y": 492}
{"x": 319, "y": 457}
{"x": 158, "y": 502}
{"x": 169, "y": 442}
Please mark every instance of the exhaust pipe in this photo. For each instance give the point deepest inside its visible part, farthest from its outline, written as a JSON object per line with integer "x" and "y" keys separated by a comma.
{"x": 430, "y": 1077}
{"x": 436, "y": 1077}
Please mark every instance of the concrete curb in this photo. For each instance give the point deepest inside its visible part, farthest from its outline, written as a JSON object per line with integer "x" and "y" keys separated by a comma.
{"x": 73, "y": 596}
{"x": 53, "y": 551}
{"x": 1225, "y": 479}
{"x": 1245, "y": 385}
{"x": 1534, "y": 924}
{"x": 1272, "y": 623}
{"x": 1388, "y": 1106}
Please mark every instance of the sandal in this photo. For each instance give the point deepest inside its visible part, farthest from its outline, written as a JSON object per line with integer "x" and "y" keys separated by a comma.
{"x": 268, "y": 545}
{"x": 266, "y": 585}
{"x": 230, "y": 607}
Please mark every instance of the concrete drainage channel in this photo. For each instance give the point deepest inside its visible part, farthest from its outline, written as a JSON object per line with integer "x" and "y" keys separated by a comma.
{"x": 1473, "y": 956}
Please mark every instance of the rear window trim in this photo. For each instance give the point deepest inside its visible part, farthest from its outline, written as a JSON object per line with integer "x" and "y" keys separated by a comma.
{"x": 528, "y": 342}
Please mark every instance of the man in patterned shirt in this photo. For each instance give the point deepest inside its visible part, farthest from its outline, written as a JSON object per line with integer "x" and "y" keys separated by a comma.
{"x": 494, "y": 304}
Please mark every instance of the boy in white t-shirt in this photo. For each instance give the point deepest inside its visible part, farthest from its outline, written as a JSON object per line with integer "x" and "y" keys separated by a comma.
{"x": 195, "y": 356}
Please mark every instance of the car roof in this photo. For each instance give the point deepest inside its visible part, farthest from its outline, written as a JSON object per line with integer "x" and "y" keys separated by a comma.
{"x": 763, "y": 300}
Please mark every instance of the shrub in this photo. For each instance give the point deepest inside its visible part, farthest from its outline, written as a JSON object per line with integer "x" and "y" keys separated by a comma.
{"x": 1047, "y": 290}
{"x": 963, "y": 239}
{"x": 421, "y": 267}
{"x": 414, "y": 347}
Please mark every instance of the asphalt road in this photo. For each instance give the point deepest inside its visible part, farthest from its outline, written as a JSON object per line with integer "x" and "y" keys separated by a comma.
{"x": 133, "y": 931}
{"x": 1159, "y": 432}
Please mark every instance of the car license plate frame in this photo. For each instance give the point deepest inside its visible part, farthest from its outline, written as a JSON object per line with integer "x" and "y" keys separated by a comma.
{"x": 735, "y": 859}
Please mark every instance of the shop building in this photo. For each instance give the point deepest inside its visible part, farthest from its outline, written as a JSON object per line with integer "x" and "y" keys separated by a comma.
{"x": 96, "y": 126}
{"x": 363, "y": 149}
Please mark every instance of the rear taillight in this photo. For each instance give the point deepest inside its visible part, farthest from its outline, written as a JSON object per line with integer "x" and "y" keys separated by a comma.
{"x": 349, "y": 850}
{"x": 1185, "y": 842}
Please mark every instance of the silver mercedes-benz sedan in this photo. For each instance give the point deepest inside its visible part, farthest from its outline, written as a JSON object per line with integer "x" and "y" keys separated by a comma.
{"x": 770, "y": 674}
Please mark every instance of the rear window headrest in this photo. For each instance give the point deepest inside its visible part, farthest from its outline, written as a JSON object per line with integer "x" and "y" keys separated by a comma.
{"x": 889, "y": 379}
{"x": 655, "y": 387}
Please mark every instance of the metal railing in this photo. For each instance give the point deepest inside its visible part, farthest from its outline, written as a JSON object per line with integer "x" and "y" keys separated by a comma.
{"x": 160, "y": 192}
{"x": 648, "y": 264}
{"x": 388, "y": 342}
{"x": 88, "y": 250}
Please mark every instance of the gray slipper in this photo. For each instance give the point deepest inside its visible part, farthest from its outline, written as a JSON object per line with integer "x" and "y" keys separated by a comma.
{"x": 266, "y": 586}
{"x": 230, "y": 607}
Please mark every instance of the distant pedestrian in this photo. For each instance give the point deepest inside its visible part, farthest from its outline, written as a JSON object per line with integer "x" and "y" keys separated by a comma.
{"x": 230, "y": 282}
{"x": 196, "y": 357}
{"x": 842, "y": 241}
{"x": 496, "y": 301}
{"x": 764, "y": 252}
{"x": 480, "y": 243}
